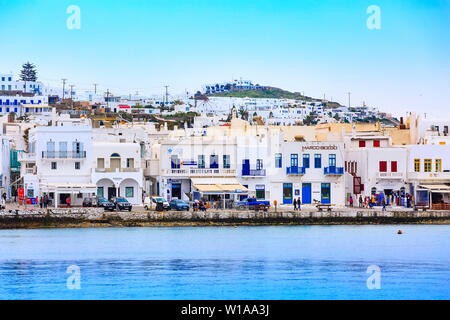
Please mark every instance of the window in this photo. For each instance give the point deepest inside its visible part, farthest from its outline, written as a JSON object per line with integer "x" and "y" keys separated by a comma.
{"x": 306, "y": 160}
{"x": 332, "y": 160}
{"x": 362, "y": 144}
{"x": 376, "y": 143}
{"x": 77, "y": 165}
{"x": 174, "y": 162}
{"x": 214, "y": 161}
{"x": 259, "y": 164}
{"x": 427, "y": 165}
{"x": 278, "y": 160}
{"x": 129, "y": 192}
{"x": 383, "y": 166}
{"x": 318, "y": 160}
{"x": 294, "y": 160}
{"x": 260, "y": 192}
{"x": 100, "y": 192}
{"x": 438, "y": 165}
{"x": 416, "y": 165}
{"x": 226, "y": 161}
{"x": 100, "y": 163}
{"x": 201, "y": 161}
{"x": 53, "y": 165}
{"x": 393, "y": 166}
{"x": 130, "y": 162}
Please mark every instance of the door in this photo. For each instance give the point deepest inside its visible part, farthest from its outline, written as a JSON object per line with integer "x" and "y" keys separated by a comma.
{"x": 245, "y": 167}
{"x": 111, "y": 193}
{"x": 176, "y": 190}
{"x": 114, "y": 164}
{"x": 287, "y": 193}
{"x": 306, "y": 193}
{"x": 326, "y": 193}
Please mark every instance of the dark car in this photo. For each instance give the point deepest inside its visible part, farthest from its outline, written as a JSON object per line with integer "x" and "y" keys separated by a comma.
{"x": 122, "y": 204}
{"x": 89, "y": 202}
{"x": 105, "y": 204}
{"x": 179, "y": 205}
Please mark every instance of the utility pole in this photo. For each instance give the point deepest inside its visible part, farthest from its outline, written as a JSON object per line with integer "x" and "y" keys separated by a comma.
{"x": 64, "y": 85}
{"x": 95, "y": 88}
{"x": 107, "y": 96}
{"x": 71, "y": 92}
{"x": 349, "y": 93}
{"x": 167, "y": 94}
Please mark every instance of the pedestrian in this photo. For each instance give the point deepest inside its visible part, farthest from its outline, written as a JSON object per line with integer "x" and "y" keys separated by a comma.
{"x": 68, "y": 202}
{"x": 41, "y": 202}
{"x": 4, "y": 196}
{"x": 384, "y": 204}
{"x": 295, "y": 204}
{"x": 351, "y": 201}
{"x": 299, "y": 204}
{"x": 360, "y": 201}
{"x": 45, "y": 201}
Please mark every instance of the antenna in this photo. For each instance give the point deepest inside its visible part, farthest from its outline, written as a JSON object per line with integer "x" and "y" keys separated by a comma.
{"x": 95, "y": 88}
{"x": 64, "y": 85}
{"x": 71, "y": 92}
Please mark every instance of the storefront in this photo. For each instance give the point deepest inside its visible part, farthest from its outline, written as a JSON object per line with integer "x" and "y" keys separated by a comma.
{"x": 436, "y": 197}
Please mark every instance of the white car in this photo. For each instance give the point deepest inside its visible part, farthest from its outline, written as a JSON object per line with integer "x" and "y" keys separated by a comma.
{"x": 150, "y": 203}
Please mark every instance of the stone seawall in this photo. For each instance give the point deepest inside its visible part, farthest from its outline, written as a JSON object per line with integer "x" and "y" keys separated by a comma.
{"x": 97, "y": 217}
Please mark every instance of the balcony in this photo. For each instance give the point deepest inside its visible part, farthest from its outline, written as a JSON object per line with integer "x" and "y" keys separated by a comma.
{"x": 295, "y": 170}
{"x": 106, "y": 170}
{"x": 333, "y": 170}
{"x": 390, "y": 175}
{"x": 254, "y": 173}
{"x": 430, "y": 176}
{"x": 63, "y": 154}
{"x": 196, "y": 172}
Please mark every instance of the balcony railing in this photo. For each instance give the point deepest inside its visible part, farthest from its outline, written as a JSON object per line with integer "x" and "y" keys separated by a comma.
{"x": 333, "y": 170}
{"x": 107, "y": 170}
{"x": 199, "y": 172}
{"x": 64, "y": 154}
{"x": 390, "y": 175}
{"x": 254, "y": 173}
{"x": 295, "y": 170}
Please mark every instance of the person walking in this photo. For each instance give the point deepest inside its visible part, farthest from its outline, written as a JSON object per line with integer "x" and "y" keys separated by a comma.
{"x": 384, "y": 204}
{"x": 45, "y": 201}
{"x": 299, "y": 204}
{"x": 41, "y": 202}
{"x": 295, "y": 204}
{"x": 351, "y": 201}
{"x": 68, "y": 202}
{"x": 360, "y": 201}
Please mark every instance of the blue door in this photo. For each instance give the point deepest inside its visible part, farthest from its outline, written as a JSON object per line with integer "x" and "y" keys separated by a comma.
{"x": 287, "y": 193}
{"x": 245, "y": 167}
{"x": 326, "y": 193}
{"x": 306, "y": 193}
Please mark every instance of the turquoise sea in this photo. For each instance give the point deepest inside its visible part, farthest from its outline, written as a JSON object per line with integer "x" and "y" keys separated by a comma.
{"x": 277, "y": 262}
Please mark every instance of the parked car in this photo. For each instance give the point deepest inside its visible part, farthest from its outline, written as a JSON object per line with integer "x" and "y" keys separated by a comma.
{"x": 122, "y": 204}
{"x": 253, "y": 204}
{"x": 89, "y": 202}
{"x": 105, "y": 204}
{"x": 150, "y": 203}
{"x": 179, "y": 205}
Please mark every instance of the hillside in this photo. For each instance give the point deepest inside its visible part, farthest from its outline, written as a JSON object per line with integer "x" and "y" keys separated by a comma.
{"x": 272, "y": 93}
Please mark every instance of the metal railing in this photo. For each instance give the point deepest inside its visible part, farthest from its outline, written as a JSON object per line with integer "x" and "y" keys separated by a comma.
{"x": 63, "y": 154}
{"x": 254, "y": 172}
{"x": 295, "y": 170}
{"x": 333, "y": 170}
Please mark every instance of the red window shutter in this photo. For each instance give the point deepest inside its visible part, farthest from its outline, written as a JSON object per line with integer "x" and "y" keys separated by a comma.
{"x": 362, "y": 143}
{"x": 376, "y": 143}
{"x": 362, "y": 186}
{"x": 383, "y": 166}
{"x": 393, "y": 166}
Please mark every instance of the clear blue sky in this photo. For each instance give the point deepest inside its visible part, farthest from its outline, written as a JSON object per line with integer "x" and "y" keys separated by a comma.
{"x": 319, "y": 47}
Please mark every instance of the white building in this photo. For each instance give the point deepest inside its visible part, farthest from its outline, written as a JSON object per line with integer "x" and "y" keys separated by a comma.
{"x": 5, "y": 165}
{"x": 58, "y": 163}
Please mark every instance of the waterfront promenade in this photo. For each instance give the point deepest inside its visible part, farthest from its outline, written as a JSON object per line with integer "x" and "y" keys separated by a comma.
{"x": 20, "y": 217}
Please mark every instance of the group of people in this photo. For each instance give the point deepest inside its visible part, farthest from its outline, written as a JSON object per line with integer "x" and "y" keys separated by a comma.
{"x": 297, "y": 204}
{"x": 44, "y": 201}
{"x": 198, "y": 205}
{"x": 381, "y": 199}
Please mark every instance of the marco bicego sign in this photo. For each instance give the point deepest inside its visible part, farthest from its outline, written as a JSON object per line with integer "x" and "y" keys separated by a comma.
{"x": 319, "y": 148}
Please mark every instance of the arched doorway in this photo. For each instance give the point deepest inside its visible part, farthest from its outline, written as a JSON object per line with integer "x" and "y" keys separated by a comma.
{"x": 106, "y": 189}
{"x": 130, "y": 190}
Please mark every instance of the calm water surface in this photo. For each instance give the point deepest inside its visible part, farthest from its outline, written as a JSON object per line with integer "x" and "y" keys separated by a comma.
{"x": 298, "y": 262}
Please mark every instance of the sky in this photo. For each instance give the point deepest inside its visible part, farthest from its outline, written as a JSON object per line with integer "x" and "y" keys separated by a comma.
{"x": 316, "y": 47}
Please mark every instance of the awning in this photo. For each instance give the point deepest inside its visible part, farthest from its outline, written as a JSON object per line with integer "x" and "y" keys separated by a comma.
{"x": 442, "y": 188}
{"x": 69, "y": 187}
{"x": 218, "y": 185}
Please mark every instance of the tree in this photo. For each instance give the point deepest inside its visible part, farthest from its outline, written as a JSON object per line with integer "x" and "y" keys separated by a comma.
{"x": 28, "y": 72}
{"x": 244, "y": 113}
